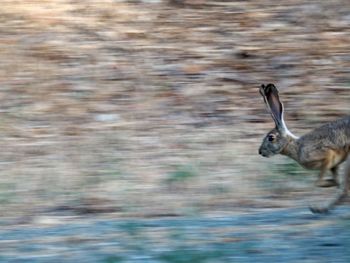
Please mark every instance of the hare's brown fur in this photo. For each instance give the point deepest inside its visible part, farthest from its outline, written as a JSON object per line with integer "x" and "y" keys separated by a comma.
{"x": 324, "y": 148}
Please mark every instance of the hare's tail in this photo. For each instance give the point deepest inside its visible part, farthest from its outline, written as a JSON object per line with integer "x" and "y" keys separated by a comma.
{"x": 342, "y": 192}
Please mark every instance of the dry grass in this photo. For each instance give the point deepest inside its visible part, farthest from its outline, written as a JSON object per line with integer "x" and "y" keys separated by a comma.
{"x": 102, "y": 101}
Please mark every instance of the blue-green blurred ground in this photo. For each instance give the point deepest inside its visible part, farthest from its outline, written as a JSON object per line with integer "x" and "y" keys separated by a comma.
{"x": 292, "y": 235}
{"x": 149, "y": 109}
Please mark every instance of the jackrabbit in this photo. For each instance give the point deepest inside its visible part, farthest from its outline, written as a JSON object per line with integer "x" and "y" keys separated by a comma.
{"x": 324, "y": 148}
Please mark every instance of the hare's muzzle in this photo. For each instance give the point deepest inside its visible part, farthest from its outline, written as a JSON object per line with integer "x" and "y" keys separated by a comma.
{"x": 262, "y": 153}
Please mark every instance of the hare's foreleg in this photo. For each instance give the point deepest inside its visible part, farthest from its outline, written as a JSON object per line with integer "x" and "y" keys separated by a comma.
{"x": 342, "y": 192}
{"x": 325, "y": 165}
{"x": 321, "y": 182}
{"x": 340, "y": 196}
{"x": 335, "y": 175}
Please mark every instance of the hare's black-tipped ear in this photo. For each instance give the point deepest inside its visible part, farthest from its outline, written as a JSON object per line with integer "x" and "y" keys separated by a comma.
{"x": 273, "y": 103}
{"x": 262, "y": 91}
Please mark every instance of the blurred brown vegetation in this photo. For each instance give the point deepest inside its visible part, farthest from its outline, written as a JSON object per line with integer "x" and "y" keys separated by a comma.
{"x": 151, "y": 107}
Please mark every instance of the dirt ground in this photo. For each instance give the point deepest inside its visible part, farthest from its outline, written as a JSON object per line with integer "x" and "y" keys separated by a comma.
{"x": 133, "y": 110}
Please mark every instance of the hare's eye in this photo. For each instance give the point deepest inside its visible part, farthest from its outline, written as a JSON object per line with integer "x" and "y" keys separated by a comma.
{"x": 271, "y": 137}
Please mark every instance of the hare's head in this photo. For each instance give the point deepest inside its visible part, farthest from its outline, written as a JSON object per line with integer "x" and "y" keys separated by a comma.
{"x": 277, "y": 139}
{"x": 273, "y": 143}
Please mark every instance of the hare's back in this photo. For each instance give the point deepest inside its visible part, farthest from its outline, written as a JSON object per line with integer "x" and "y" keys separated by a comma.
{"x": 333, "y": 134}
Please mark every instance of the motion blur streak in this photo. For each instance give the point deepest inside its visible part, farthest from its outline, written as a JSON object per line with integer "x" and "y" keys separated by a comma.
{"x": 120, "y": 111}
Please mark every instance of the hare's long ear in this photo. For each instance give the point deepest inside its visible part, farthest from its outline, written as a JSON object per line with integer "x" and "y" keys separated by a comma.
{"x": 274, "y": 105}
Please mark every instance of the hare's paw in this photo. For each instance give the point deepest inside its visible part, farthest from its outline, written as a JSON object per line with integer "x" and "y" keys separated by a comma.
{"x": 326, "y": 183}
{"x": 319, "y": 210}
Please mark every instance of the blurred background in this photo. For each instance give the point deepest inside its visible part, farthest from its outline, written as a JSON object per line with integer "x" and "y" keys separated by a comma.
{"x": 150, "y": 108}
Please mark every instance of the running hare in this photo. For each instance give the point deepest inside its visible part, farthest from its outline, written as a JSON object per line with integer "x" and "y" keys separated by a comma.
{"x": 323, "y": 149}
